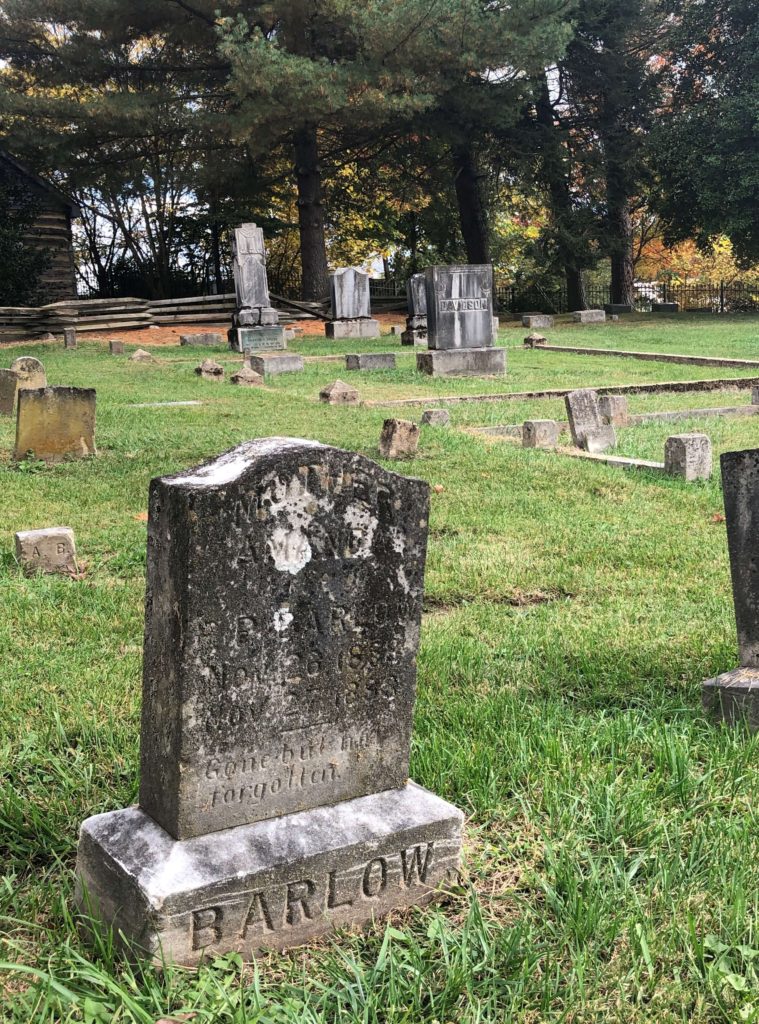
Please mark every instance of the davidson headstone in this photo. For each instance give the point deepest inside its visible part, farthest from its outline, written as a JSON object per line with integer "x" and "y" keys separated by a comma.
{"x": 460, "y": 323}
{"x": 350, "y": 305}
{"x": 416, "y": 321}
{"x": 284, "y": 597}
{"x": 255, "y": 324}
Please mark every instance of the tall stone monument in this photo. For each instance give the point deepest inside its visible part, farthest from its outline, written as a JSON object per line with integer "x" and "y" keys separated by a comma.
{"x": 416, "y": 321}
{"x": 255, "y": 324}
{"x": 284, "y": 596}
{"x": 733, "y": 697}
{"x": 350, "y": 307}
{"x": 460, "y": 323}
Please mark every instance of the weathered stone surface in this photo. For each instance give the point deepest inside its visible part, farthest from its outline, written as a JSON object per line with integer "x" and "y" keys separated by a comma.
{"x": 273, "y": 884}
{"x": 537, "y": 320}
{"x": 202, "y": 338}
{"x": 459, "y": 307}
{"x": 339, "y": 393}
{"x": 616, "y": 308}
{"x": 535, "y": 340}
{"x": 463, "y": 362}
{"x": 396, "y": 329}
{"x": 436, "y": 418}
{"x": 69, "y": 337}
{"x": 8, "y": 391}
{"x": 540, "y": 434}
{"x": 755, "y": 395}
{"x": 733, "y": 698}
{"x": 272, "y": 365}
{"x": 589, "y": 316}
{"x": 284, "y": 591}
{"x": 247, "y": 378}
{"x": 116, "y": 348}
{"x": 614, "y": 409}
{"x": 688, "y": 456}
{"x": 349, "y": 294}
{"x": 55, "y": 423}
{"x": 740, "y": 488}
{"x": 416, "y": 331}
{"x": 370, "y": 361}
{"x": 141, "y": 356}
{"x": 31, "y": 372}
{"x": 257, "y": 339}
{"x": 665, "y": 307}
{"x": 416, "y": 295}
{"x": 52, "y": 550}
{"x": 399, "y": 439}
{"x": 586, "y": 425}
{"x": 209, "y": 369}
{"x": 366, "y": 328}
{"x": 254, "y": 307}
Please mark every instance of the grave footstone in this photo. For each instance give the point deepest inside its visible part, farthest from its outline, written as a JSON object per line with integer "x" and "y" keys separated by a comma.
{"x": 399, "y": 439}
{"x": 460, "y": 323}
{"x": 52, "y": 550}
{"x": 370, "y": 361}
{"x": 116, "y": 348}
{"x": 586, "y": 424}
{"x": 534, "y": 340}
{"x": 614, "y": 409}
{"x": 209, "y": 369}
{"x": 272, "y": 365}
{"x": 247, "y": 378}
{"x": 540, "y": 434}
{"x": 255, "y": 324}
{"x": 436, "y": 418}
{"x": 688, "y": 456}
{"x": 537, "y": 320}
{"x": 55, "y": 424}
{"x": 733, "y": 697}
{"x": 416, "y": 321}
{"x": 207, "y": 338}
{"x": 69, "y": 337}
{"x": 589, "y": 316}
{"x": 350, "y": 305}
{"x": 339, "y": 393}
{"x": 141, "y": 356}
{"x": 283, "y": 604}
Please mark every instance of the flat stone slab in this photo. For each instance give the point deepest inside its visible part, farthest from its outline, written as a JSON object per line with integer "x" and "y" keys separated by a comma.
{"x": 272, "y": 366}
{"x": 55, "y": 424}
{"x": 270, "y": 885}
{"x": 537, "y": 320}
{"x": 367, "y": 328}
{"x": 370, "y": 361}
{"x": 461, "y": 362}
{"x": 257, "y": 339}
{"x": 616, "y": 308}
{"x": 733, "y": 698}
{"x": 207, "y": 338}
{"x": 654, "y": 357}
{"x": 665, "y": 307}
{"x": 163, "y": 405}
{"x": 589, "y": 316}
{"x": 50, "y": 550}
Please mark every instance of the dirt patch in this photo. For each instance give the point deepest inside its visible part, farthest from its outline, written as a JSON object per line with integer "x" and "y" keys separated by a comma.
{"x": 516, "y": 599}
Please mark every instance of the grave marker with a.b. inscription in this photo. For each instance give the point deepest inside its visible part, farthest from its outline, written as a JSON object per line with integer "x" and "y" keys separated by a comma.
{"x": 284, "y": 594}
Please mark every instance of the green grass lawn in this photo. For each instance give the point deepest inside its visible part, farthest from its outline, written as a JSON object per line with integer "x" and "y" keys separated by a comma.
{"x": 572, "y": 610}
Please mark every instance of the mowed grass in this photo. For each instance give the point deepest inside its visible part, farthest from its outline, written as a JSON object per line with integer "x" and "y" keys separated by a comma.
{"x": 572, "y": 610}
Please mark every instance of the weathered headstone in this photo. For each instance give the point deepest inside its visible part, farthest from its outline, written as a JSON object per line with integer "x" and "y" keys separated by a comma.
{"x": 247, "y": 378}
{"x": 339, "y": 393}
{"x": 141, "y": 356}
{"x": 272, "y": 365}
{"x": 284, "y": 595}
{"x": 350, "y": 305}
{"x": 586, "y": 424}
{"x": 207, "y": 338}
{"x": 537, "y": 320}
{"x": 116, "y": 348}
{"x": 370, "y": 361}
{"x": 589, "y": 316}
{"x": 416, "y": 321}
{"x": 460, "y": 323}
{"x": 69, "y": 337}
{"x": 8, "y": 391}
{"x": 52, "y": 550}
{"x": 535, "y": 340}
{"x": 733, "y": 697}
{"x": 209, "y": 369}
{"x": 665, "y": 307}
{"x": 688, "y": 456}
{"x": 255, "y": 324}
{"x": 540, "y": 434}
{"x": 614, "y": 409}
{"x": 55, "y": 424}
{"x": 399, "y": 439}
{"x": 436, "y": 418}
{"x": 26, "y": 372}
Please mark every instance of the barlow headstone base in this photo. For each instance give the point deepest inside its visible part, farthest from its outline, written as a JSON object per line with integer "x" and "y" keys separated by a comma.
{"x": 733, "y": 697}
{"x": 257, "y": 339}
{"x": 462, "y": 362}
{"x": 364, "y": 328}
{"x": 270, "y": 885}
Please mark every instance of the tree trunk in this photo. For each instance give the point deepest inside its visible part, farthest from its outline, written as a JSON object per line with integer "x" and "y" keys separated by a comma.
{"x": 313, "y": 249}
{"x": 472, "y": 206}
{"x": 575, "y": 289}
{"x": 621, "y": 250}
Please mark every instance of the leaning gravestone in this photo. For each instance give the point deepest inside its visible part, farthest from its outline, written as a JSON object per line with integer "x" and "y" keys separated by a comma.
{"x": 350, "y": 305}
{"x": 416, "y": 321}
{"x": 255, "y": 324}
{"x": 284, "y": 597}
{"x": 733, "y": 697}
{"x": 460, "y": 323}
{"x": 586, "y": 422}
{"x": 55, "y": 424}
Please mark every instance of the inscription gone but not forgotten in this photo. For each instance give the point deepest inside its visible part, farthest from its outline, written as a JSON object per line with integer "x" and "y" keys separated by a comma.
{"x": 283, "y": 607}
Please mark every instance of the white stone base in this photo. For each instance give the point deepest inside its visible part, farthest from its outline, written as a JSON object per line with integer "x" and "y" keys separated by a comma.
{"x": 336, "y": 329}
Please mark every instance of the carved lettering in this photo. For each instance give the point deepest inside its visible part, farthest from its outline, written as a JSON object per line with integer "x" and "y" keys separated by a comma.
{"x": 300, "y": 896}
{"x": 412, "y": 865}
{"x": 258, "y": 915}
{"x": 374, "y": 881}
{"x": 207, "y": 927}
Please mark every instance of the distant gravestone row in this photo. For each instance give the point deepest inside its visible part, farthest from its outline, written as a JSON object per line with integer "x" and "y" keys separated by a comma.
{"x": 274, "y": 799}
